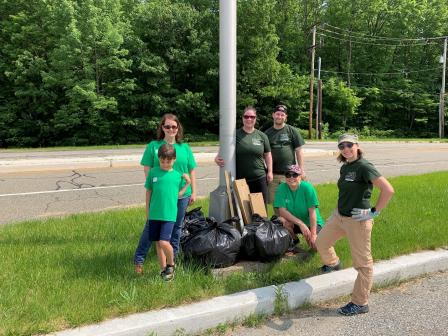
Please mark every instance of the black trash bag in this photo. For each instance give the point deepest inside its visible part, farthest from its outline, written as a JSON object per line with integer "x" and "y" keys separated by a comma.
{"x": 233, "y": 222}
{"x": 216, "y": 245}
{"x": 271, "y": 239}
{"x": 194, "y": 221}
{"x": 248, "y": 248}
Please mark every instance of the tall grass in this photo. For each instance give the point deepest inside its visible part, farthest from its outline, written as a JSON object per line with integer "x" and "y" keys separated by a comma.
{"x": 65, "y": 272}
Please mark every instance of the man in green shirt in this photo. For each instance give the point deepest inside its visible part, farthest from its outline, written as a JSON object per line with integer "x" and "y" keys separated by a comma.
{"x": 286, "y": 148}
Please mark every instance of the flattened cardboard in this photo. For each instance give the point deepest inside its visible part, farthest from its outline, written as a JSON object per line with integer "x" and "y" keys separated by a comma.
{"x": 257, "y": 204}
{"x": 242, "y": 192}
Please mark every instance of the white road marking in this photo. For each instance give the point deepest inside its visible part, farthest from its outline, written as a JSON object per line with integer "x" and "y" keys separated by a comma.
{"x": 86, "y": 189}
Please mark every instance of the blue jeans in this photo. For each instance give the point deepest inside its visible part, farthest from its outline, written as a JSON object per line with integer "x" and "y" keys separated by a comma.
{"x": 144, "y": 244}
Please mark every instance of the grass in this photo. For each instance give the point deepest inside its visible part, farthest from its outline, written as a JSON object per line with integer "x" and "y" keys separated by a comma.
{"x": 64, "y": 272}
{"x": 211, "y": 142}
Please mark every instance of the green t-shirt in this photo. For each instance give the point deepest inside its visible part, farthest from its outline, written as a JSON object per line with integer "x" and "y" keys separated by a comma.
{"x": 299, "y": 201}
{"x": 250, "y": 149}
{"x": 283, "y": 145}
{"x": 165, "y": 186}
{"x": 355, "y": 186}
{"x": 184, "y": 163}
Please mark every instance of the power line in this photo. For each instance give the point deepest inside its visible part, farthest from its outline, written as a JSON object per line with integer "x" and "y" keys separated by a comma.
{"x": 377, "y": 44}
{"x": 434, "y": 95}
{"x": 387, "y": 38}
{"x": 369, "y": 39}
{"x": 382, "y": 73}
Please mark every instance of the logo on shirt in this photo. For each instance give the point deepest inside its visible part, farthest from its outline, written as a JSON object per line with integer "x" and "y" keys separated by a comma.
{"x": 154, "y": 179}
{"x": 350, "y": 177}
{"x": 284, "y": 137}
{"x": 256, "y": 142}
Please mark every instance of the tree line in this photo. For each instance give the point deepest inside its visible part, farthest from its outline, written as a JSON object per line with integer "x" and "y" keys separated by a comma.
{"x": 81, "y": 72}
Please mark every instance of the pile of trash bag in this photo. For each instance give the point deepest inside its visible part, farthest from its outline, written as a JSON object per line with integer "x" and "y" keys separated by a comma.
{"x": 264, "y": 239}
{"x": 220, "y": 244}
{"x": 212, "y": 243}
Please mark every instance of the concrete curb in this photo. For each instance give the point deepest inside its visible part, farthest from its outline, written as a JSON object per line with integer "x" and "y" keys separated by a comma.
{"x": 200, "y": 316}
{"x": 112, "y": 161}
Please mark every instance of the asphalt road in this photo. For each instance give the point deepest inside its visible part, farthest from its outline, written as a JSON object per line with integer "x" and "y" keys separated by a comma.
{"x": 31, "y": 195}
{"x": 414, "y": 308}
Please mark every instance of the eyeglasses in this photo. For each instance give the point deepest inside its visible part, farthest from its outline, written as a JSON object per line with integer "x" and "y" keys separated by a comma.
{"x": 249, "y": 117}
{"x": 289, "y": 175}
{"x": 343, "y": 145}
{"x": 168, "y": 127}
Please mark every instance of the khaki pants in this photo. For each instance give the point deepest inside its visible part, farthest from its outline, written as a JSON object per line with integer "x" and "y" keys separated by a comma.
{"x": 272, "y": 187}
{"x": 358, "y": 235}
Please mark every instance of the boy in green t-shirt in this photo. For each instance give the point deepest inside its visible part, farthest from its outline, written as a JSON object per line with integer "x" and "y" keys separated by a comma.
{"x": 163, "y": 188}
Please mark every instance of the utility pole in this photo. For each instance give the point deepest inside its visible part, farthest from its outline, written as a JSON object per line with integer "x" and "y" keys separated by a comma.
{"x": 442, "y": 96}
{"x": 317, "y": 99}
{"x": 319, "y": 88}
{"x": 219, "y": 204}
{"x": 313, "y": 51}
{"x": 349, "y": 63}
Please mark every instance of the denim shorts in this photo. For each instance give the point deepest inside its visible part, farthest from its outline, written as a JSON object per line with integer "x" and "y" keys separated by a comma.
{"x": 160, "y": 230}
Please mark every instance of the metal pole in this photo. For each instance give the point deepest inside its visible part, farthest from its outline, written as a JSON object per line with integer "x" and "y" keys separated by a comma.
{"x": 317, "y": 100}
{"x": 442, "y": 95}
{"x": 313, "y": 50}
{"x": 319, "y": 88}
{"x": 219, "y": 207}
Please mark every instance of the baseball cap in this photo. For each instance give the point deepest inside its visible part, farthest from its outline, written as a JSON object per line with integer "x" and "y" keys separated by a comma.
{"x": 353, "y": 138}
{"x": 294, "y": 169}
{"x": 281, "y": 108}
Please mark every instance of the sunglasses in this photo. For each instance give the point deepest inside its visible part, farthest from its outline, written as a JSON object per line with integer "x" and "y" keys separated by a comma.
{"x": 289, "y": 175}
{"x": 343, "y": 145}
{"x": 249, "y": 117}
{"x": 168, "y": 127}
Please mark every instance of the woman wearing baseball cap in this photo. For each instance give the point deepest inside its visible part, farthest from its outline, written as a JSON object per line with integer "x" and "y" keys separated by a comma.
{"x": 353, "y": 219}
{"x": 298, "y": 206}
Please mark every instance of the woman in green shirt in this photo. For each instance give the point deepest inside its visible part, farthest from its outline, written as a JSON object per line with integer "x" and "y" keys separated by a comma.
{"x": 253, "y": 155}
{"x": 298, "y": 206}
{"x": 169, "y": 131}
{"x": 353, "y": 219}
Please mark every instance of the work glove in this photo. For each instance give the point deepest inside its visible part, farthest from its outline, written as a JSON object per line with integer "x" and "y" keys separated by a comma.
{"x": 363, "y": 214}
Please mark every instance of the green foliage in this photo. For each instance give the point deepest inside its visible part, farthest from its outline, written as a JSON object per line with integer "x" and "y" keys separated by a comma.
{"x": 86, "y": 72}
{"x": 341, "y": 102}
{"x": 281, "y": 306}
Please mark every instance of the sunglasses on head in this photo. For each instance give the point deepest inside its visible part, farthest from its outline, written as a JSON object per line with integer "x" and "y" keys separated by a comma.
{"x": 343, "y": 145}
{"x": 167, "y": 127}
{"x": 290, "y": 174}
{"x": 249, "y": 117}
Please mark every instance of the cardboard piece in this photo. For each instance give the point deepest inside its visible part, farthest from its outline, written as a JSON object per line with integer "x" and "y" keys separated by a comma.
{"x": 242, "y": 192}
{"x": 238, "y": 212}
{"x": 229, "y": 193}
{"x": 257, "y": 204}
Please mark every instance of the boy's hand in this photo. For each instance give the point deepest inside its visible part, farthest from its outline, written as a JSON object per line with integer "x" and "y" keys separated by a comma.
{"x": 186, "y": 178}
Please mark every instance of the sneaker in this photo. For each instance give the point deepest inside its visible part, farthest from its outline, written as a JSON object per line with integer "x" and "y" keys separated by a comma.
{"x": 168, "y": 273}
{"x": 138, "y": 269}
{"x": 293, "y": 246}
{"x": 328, "y": 269}
{"x": 353, "y": 309}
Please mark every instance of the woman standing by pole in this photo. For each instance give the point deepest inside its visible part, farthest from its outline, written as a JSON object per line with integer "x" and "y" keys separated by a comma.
{"x": 253, "y": 155}
{"x": 353, "y": 219}
{"x": 170, "y": 132}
